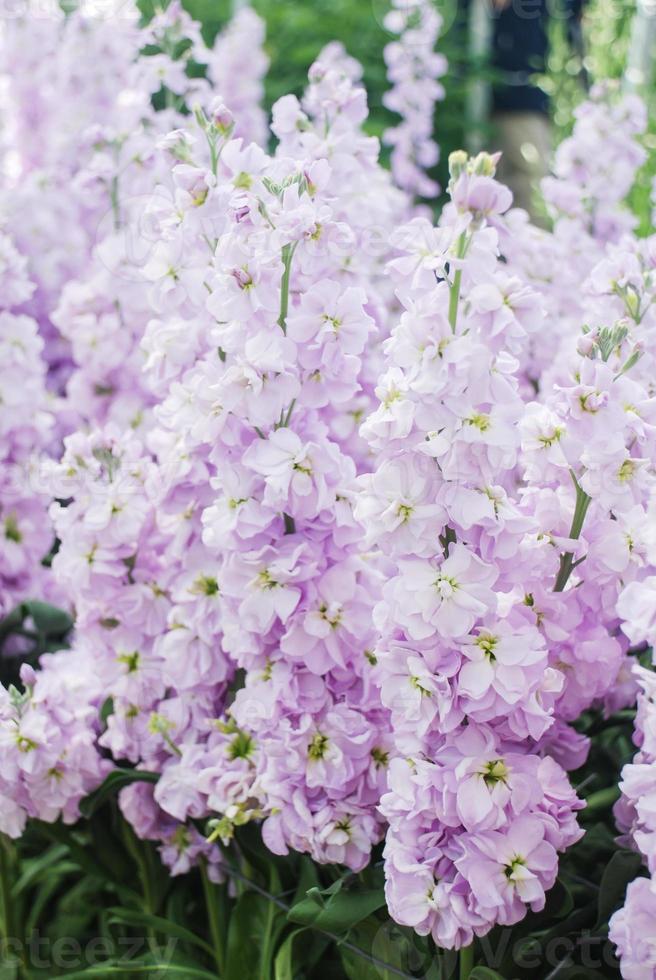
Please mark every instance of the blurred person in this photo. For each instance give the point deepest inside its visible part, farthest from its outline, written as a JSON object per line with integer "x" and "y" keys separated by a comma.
{"x": 639, "y": 72}
{"x": 514, "y": 36}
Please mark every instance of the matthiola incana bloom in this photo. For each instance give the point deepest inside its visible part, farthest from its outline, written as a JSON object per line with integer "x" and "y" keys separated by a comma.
{"x": 236, "y": 66}
{"x": 568, "y": 550}
{"x": 70, "y": 88}
{"x": 78, "y": 166}
{"x": 220, "y": 535}
{"x": 632, "y": 927}
{"x": 47, "y": 733}
{"x": 589, "y": 215}
{"x": 498, "y": 620}
{"x": 413, "y": 69}
{"x": 354, "y": 511}
{"x": 632, "y": 931}
{"x": 26, "y": 421}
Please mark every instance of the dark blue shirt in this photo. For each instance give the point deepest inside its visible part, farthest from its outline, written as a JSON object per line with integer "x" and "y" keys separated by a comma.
{"x": 520, "y": 47}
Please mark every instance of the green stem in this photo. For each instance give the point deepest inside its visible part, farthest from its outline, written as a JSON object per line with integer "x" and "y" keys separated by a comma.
{"x": 212, "y": 906}
{"x": 216, "y": 146}
{"x": 8, "y": 925}
{"x": 214, "y": 156}
{"x": 466, "y": 962}
{"x": 248, "y": 884}
{"x": 601, "y": 800}
{"x": 134, "y": 847}
{"x": 284, "y": 421}
{"x": 267, "y": 941}
{"x": 5, "y": 893}
{"x": 116, "y": 211}
{"x": 287, "y": 256}
{"x": 583, "y": 501}
{"x": 454, "y": 297}
{"x": 171, "y": 744}
{"x": 447, "y": 539}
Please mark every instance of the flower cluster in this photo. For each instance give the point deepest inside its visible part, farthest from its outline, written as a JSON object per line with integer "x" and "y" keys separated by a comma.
{"x": 218, "y": 562}
{"x": 60, "y": 75}
{"x": 101, "y": 289}
{"x": 48, "y": 739}
{"x": 150, "y": 682}
{"x": 25, "y": 432}
{"x": 413, "y": 69}
{"x": 587, "y": 208}
{"x": 236, "y": 66}
{"x": 78, "y": 160}
{"x": 476, "y": 811}
{"x": 632, "y": 927}
{"x": 263, "y": 404}
{"x": 595, "y": 168}
{"x": 348, "y": 554}
{"x": 632, "y": 931}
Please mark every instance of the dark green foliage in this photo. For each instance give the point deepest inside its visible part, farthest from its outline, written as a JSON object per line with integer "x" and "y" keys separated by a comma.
{"x": 30, "y": 629}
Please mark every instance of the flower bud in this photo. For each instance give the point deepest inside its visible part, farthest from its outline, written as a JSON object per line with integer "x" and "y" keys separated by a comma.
{"x": 586, "y": 344}
{"x": 632, "y": 302}
{"x": 457, "y": 163}
{"x": 27, "y": 675}
{"x": 221, "y": 117}
{"x": 485, "y": 164}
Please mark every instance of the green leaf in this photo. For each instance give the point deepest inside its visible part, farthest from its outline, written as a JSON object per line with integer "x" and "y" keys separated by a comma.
{"x": 114, "y": 782}
{"x": 284, "y": 962}
{"x": 106, "y": 710}
{"x": 340, "y": 912}
{"x": 150, "y": 968}
{"x": 48, "y": 619}
{"x": 356, "y": 967}
{"x": 36, "y": 867}
{"x": 13, "y": 620}
{"x": 484, "y": 973}
{"x": 386, "y": 943}
{"x": 131, "y": 917}
{"x": 271, "y": 931}
{"x": 76, "y": 910}
{"x": 602, "y": 800}
{"x": 41, "y": 898}
{"x": 560, "y": 902}
{"x": 108, "y": 849}
{"x": 300, "y": 958}
{"x": 252, "y": 924}
{"x": 83, "y": 856}
{"x": 622, "y": 868}
{"x": 307, "y": 878}
{"x": 580, "y": 918}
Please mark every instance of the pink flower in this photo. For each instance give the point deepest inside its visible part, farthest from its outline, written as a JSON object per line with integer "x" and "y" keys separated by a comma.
{"x": 509, "y": 870}
{"x": 448, "y": 597}
{"x": 637, "y": 607}
{"x": 299, "y": 477}
{"x": 632, "y": 931}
